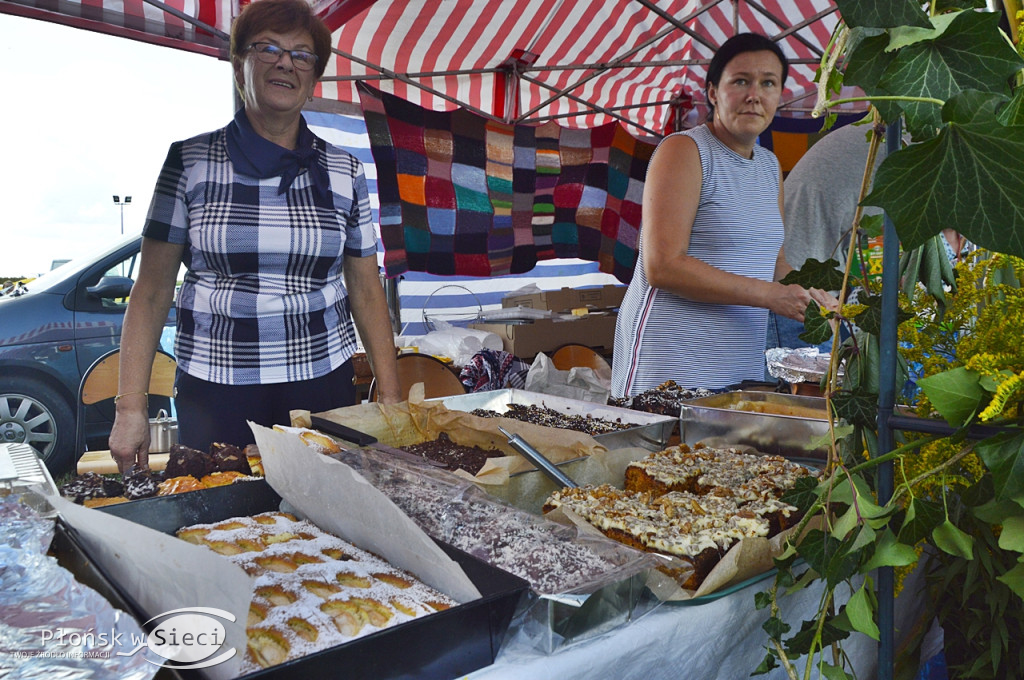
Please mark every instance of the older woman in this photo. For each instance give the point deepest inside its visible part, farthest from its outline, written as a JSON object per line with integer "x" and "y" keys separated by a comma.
{"x": 273, "y": 226}
{"x": 711, "y": 242}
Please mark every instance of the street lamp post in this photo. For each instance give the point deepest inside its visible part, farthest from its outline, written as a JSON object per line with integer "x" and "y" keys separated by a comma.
{"x": 118, "y": 201}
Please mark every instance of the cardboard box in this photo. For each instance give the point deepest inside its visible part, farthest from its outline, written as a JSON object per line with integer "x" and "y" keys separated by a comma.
{"x": 526, "y": 340}
{"x": 568, "y": 299}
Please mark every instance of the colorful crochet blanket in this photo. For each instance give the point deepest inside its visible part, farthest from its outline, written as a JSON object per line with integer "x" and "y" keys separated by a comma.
{"x": 464, "y": 195}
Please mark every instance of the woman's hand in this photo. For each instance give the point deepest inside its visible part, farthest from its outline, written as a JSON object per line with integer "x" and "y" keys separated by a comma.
{"x": 791, "y": 301}
{"x": 129, "y": 439}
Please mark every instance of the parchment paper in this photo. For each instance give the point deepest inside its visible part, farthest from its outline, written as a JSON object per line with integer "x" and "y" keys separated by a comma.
{"x": 340, "y": 501}
{"x": 416, "y": 421}
{"x": 162, "y": 572}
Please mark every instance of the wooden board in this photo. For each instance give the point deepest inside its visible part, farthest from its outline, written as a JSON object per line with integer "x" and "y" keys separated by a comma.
{"x": 101, "y": 462}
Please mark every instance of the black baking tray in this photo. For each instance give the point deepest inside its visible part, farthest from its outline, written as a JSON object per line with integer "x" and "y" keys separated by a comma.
{"x": 449, "y": 643}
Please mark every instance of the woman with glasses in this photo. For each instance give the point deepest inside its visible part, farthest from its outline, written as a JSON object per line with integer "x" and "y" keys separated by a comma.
{"x": 273, "y": 226}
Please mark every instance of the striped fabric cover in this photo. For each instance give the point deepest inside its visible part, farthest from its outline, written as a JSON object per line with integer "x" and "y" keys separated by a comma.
{"x": 462, "y": 195}
{"x": 420, "y": 293}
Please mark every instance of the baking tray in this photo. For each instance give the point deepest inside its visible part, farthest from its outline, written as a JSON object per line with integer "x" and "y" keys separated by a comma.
{"x": 550, "y": 620}
{"x": 449, "y": 643}
{"x": 650, "y": 431}
{"x": 792, "y": 429}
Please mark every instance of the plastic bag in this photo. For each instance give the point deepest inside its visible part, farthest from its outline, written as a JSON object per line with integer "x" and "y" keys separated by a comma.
{"x": 579, "y": 382}
{"x": 458, "y": 344}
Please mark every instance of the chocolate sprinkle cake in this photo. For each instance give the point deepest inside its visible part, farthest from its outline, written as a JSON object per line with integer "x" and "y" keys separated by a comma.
{"x": 455, "y": 456}
{"x": 666, "y": 399}
{"x": 540, "y": 415}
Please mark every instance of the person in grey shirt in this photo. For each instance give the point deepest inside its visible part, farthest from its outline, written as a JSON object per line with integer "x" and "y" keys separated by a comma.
{"x": 821, "y": 194}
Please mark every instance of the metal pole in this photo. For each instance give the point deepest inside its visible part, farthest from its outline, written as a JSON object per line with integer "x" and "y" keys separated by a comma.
{"x": 886, "y": 404}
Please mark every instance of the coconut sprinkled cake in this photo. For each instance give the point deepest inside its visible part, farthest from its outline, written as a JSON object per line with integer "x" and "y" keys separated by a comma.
{"x": 694, "y": 504}
{"x": 312, "y": 590}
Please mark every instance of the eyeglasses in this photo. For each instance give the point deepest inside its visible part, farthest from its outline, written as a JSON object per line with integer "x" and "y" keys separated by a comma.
{"x": 269, "y": 53}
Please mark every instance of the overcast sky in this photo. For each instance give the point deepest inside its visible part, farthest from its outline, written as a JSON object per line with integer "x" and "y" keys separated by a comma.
{"x": 87, "y": 116}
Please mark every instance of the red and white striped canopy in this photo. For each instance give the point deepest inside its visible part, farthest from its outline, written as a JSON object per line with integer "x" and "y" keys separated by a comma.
{"x": 580, "y": 62}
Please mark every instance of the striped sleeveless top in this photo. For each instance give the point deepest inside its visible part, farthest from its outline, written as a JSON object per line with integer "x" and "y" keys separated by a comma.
{"x": 660, "y": 336}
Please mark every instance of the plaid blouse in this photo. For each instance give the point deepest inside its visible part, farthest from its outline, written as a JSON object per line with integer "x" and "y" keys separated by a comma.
{"x": 263, "y": 299}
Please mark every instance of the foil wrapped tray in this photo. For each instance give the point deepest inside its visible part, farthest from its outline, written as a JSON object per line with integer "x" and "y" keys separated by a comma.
{"x": 648, "y": 430}
{"x": 782, "y": 424}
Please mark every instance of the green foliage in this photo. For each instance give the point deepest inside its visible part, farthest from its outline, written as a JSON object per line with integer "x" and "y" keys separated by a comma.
{"x": 1004, "y": 457}
{"x": 816, "y": 327}
{"x": 928, "y": 265}
{"x": 882, "y": 13}
{"x": 956, "y": 394}
{"x": 945, "y": 73}
{"x": 958, "y": 178}
{"x": 815, "y": 274}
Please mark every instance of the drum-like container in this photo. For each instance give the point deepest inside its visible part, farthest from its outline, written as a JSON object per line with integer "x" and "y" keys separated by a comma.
{"x": 163, "y": 432}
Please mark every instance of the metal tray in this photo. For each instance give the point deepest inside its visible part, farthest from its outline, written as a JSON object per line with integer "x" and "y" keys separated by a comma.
{"x": 650, "y": 430}
{"x": 449, "y": 643}
{"x": 790, "y": 430}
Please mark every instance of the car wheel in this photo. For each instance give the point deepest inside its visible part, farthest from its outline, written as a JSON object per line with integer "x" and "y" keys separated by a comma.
{"x": 33, "y": 413}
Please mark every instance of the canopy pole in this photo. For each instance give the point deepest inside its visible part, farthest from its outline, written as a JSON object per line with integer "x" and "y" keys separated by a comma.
{"x": 887, "y": 341}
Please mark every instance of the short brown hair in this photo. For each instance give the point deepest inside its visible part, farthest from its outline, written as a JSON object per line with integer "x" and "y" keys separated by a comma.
{"x": 280, "y": 16}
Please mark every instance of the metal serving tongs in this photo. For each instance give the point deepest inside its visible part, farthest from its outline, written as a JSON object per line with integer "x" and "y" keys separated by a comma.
{"x": 537, "y": 458}
{"x": 556, "y": 475}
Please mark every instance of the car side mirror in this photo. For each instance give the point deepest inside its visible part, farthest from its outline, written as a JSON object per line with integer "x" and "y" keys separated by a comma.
{"x": 111, "y": 287}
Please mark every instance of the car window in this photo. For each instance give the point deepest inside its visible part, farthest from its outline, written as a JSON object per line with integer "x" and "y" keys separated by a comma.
{"x": 127, "y": 268}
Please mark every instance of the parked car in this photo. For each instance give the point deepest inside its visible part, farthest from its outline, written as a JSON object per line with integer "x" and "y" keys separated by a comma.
{"x": 51, "y": 330}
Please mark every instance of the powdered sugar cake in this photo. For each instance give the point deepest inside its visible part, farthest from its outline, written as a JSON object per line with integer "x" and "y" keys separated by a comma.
{"x": 313, "y": 590}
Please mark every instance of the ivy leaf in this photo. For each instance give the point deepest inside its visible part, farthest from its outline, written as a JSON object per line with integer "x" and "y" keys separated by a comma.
{"x": 816, "y": 274}
{"x": 803, "y": 494}
{"x": 989, "y": 382}
{"x": 862, "y": 363}
{"x": 1003, "y": 455}
{"x": 800, "y": 643}
{"x": 902, "y": 36}
{"x": 956, "y": 394}
{"x": 1013, "y": 112}
{"x": 834, "y": 672}
{"x": 882, "y": 13}
{"x": 1012, "y": 535}
{"x": 870, "y": 320}
{"x": 872, "y": 225}
{"x": 968, "y": 55}
{"x": 1014, "y": 578}
{"x": 766, "y": 665}
{"x": 960, "y": 177}
{"x": 825, "y": 439}
{"x": 830, "y": 558}
{"x": 816, "y": 327}
{"x": 889, "y": 552}
{"x": 950, "y": 539}
{"x": 775, "y": 627}
{"x": 869, "y": 59}
{"x": 861, "y": 612}
{"x": 856, "y": 408}
{"x": 922, "y": 517}
{"x": 997, "y": 512}
{"x": 946, "y": 5}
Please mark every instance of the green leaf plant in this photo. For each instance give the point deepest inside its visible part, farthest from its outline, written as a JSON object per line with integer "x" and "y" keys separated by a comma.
{"x": 952, "y": 78}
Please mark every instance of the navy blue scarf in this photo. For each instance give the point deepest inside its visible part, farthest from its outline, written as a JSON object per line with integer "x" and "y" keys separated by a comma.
{"x": 256, "y": 156}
